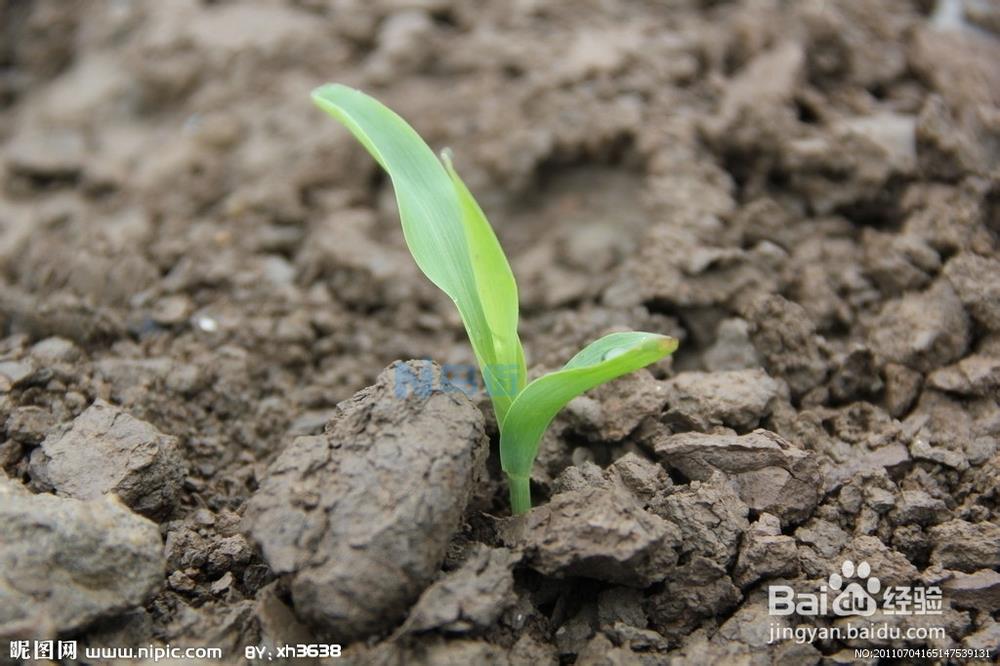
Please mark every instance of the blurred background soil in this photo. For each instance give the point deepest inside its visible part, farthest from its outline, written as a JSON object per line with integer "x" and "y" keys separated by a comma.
{"x": 806, "y": 193}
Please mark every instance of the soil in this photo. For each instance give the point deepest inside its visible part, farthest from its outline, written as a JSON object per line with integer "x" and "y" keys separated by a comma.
{"x": 203, "y": 286}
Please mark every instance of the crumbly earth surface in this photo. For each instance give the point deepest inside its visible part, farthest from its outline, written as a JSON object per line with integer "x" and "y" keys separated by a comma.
{"x": 197, "y": 267}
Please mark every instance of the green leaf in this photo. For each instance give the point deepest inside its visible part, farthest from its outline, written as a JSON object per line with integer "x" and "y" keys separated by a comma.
{"x": 447, "y": 233}
{"x": 497, "y": 290}
{"x": 534, "y": 408}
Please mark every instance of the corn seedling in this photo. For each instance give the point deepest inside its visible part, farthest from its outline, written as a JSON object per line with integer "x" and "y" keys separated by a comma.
{"x": 455, "y": 247}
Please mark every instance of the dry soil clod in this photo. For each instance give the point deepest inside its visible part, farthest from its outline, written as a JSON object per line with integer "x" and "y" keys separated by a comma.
{"x": 770, "y": 474}
{"x": 67, "y": 562}
{"x": 105, "y": 450}
{"x": 360, "y": 517}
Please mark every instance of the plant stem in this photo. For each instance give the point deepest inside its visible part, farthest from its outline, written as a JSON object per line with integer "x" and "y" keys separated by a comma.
{"x": 520, "y": 494}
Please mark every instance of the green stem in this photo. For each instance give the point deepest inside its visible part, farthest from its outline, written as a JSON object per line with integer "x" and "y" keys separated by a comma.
{"x": 520, "y": 494}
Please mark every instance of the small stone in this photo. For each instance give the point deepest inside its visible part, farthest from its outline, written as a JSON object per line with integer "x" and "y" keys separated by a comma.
{"x": 922, "y": 330}
{"x": 981, "y": 449}
{"x": 952, "y": 431}
{"x": 976, "y": 280}
{"x": 711, "y": 518}
{"x": 132, "y": 378}
{"x": 732, "y": 349}
{"x": 902, "y": 385}
{"x": 597, "y": 532}
{"x": 643, "y": 477}
{"x": 582, "y": 455}
{"x": 879, "y": 499}
{"x": 893, "y": 133}
{"x": 280, "y": 272}
{"x": 756, "y": 97}
{"x": 68, "y": 563}
{"x": 771, "y": 475}
{"x": 891, "y": 566}
{"x": 979, "y": 590}
{"x": 55, "y": 350}
{"x": 739, "y": 399}
{"x": 181, "y": 582}
{"x": 571, "y": 638}
{"x": 785, "y": 338}
{"x": 185, "y": 379}
{"x": 850, "y": 498}
{"x": 899, "y": 263}
{"x": 10, "y": 454}
{"x": 530, "y": 650}
{"x": 974, "y": 375}
{"x": 610, "y": 412}
{"x": 951, "y": 218}
{"x": 402, "y": 44}
{"x": 17, "y": 372}
{"x": 29, "y": 425}
{"x": 636, "y": 638}
{"x": 221, "y": 586}
{"x": 856, "y": 376}
{"x": 948, "y": 145}
{"x": 172, "y": 310}
{"x": 822, "y": 536}
{"x": 578, "y": 477}
{"x": 921, "y": 449}
{"x": 57, "y": 155}
{"x": 206, "y": 323}
{"x": 745, "y": 638}
{"x": 916, "y": 506}
{"x": 594, "y": 51}
{"x": 471, "y": 597}
{"x": 966, "y": 546}
{"x": 765, "y": 553}
{"x": 699, "y": 592}
{"x": 229, "y": 553}
{"x": 105, "y": 450}
{"x": 204, "y": 517}
{"x": 185, "y": 548}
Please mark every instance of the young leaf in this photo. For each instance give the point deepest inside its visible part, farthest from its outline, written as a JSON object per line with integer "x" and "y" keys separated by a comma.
{"x": 534, "y": 408}
{"x": 497, "y": 289}
{"x": 447, "y": 233}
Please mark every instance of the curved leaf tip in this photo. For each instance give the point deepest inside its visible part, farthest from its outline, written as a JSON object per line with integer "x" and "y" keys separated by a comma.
{"x": 534, "y": 408}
